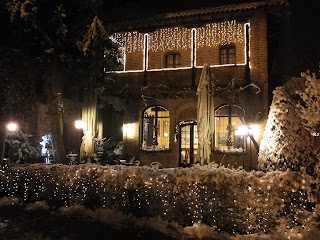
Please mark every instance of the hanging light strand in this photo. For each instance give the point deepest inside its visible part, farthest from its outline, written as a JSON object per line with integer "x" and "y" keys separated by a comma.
{"x": 221, "y": 33}
{"x": 131, "y": 41}
{"x": 170, "y": 39}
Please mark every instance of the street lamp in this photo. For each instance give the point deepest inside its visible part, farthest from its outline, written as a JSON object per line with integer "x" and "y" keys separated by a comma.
{"x": 12, "y": 126}
{"x": 80, "y": 125}
{"x": 243, "y": 131}
{"x": 128, "y": 133}
{"x": 254, "y": 132}
{"x": 246, "y": 131}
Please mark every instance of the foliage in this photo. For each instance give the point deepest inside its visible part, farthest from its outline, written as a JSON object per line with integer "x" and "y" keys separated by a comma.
{"x": 22, "y": 147}
{"x": 67, "y": 33}
{"x": 309, "y": 105}
{"x": 226, "y": 200}
{"x": 60, "y": 39}
{"x": 287, "y": 142}
{"x": 18, "y": 88}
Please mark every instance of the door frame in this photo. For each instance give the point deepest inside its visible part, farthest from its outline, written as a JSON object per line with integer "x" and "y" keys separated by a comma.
{"x": 181, "y": 125}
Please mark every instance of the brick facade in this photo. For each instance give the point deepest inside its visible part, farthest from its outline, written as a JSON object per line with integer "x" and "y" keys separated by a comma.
{"x": 179, "y": 94}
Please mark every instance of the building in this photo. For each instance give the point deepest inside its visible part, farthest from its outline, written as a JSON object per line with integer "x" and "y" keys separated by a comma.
{"x": 156, "y": 87}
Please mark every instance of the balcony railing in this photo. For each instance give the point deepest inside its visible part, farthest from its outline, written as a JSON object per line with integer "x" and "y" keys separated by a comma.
{"x": 168, "y": 80}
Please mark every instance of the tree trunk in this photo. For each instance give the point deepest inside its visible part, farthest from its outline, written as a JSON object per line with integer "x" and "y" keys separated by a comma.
{"x": 2, "y": 141}
{"x": 55, "y": 128}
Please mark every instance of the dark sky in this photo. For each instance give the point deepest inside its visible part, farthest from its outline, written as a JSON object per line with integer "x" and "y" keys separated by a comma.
{"x": 305, "y": 20}
{"x": 299, "y": 47}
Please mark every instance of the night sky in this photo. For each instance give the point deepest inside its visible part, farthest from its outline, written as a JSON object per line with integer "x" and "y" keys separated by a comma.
{"x": 302, "y": 36}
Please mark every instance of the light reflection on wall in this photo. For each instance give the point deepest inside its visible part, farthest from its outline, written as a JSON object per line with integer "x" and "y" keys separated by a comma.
{"x": 129, "y": 130}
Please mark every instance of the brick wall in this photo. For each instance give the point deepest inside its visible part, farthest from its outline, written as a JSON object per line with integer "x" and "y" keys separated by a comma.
{"x": 183, "y": 109}
{"x": 157, "y": 59}
{"x": 134, "y": 61}
{"x": 211, "y": 55}
{"x": 179, "y": 110}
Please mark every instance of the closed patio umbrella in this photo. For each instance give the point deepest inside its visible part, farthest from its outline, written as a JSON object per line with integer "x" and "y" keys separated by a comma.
{"x": 205, "y": 115}
{"x": 89, "y": 116}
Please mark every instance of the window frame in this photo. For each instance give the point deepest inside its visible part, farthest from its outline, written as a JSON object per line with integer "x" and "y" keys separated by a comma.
{"x": 176, "y": 60}
{"x": 230, "y": 57}
{"x": 230, "y": 129}
{"x": 160, "y": 129}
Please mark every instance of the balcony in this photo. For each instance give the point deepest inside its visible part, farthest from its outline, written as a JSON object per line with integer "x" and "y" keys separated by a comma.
{"x": 168, "y": 80}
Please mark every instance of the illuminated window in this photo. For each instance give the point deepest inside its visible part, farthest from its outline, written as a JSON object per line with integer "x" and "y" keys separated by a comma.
{"x": 155, "y": 128}
{"x": 227, "y": 54}
{"x": 173, "y": 60}
{"x": 227, "y": 121}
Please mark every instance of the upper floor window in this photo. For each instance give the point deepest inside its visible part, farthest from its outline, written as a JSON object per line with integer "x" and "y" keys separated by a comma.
{"x": 227, "y": 54}
{"x": 173, "y": 60}
{"x": 227, "y": 122}
{"x": 155, "y": 128}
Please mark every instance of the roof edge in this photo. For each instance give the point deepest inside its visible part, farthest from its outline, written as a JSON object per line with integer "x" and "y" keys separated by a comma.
{"x": 196, "y": 14}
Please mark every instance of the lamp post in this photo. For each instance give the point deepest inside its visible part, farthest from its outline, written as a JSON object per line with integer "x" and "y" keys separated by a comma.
{"x": 11, "y": 128}
{"x": 254, "y": 132}
{"x": 79, "y": 125}
{"x": 243, "y": 131}
{"x": 128, "y": 132}
{"x": 251, "y": 131}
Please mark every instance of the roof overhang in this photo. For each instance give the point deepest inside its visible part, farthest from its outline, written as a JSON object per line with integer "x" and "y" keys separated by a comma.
{"x": 198, "y": 17}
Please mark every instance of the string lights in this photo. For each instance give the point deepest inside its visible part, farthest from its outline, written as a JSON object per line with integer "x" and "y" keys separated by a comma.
{"x": 222, "y": 33}
{"x": 179, "y": 38}
{"x": 176, "y": 38}
{"x": 181, "y": 124}
{"x": 226, "y": 199}
{"x": 130, "y": 41}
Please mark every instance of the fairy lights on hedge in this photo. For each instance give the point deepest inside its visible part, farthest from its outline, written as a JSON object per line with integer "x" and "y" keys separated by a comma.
{"x": 249, "y": 203}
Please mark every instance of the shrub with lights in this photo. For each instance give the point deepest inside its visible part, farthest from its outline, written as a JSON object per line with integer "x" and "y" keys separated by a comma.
{"x": 227, "y": 200}
{"x": 292, "y": 126}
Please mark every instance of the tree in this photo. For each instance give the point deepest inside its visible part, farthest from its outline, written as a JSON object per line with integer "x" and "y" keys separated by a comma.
{"x": 18, "y": 91}
{"x": 287, "y": 142}
{"x": 309, "y": 105}
{"x": 54, "y": 37}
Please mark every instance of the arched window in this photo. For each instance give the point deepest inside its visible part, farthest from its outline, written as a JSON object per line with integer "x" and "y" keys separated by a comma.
{"x": 155, "y": 128}
{"x": 227, "y": 122}
{"x": 228, "y": 54}
{"x": 172, "y": 60}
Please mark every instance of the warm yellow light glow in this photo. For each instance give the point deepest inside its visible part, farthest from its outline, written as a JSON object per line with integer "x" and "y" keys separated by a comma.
{"x": 254, "y": 130}
{"x": 129, "y": 130}
{"x": 79, "y": 124}
{"x": 243, "y": 130}
{"x": 12, "y": 126}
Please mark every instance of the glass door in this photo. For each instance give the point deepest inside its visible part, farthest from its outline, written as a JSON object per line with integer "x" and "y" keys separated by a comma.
{"x": 188, "y": 143}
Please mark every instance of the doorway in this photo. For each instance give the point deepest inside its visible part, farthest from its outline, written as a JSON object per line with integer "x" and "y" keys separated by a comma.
{"x": 188, "y": 142}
